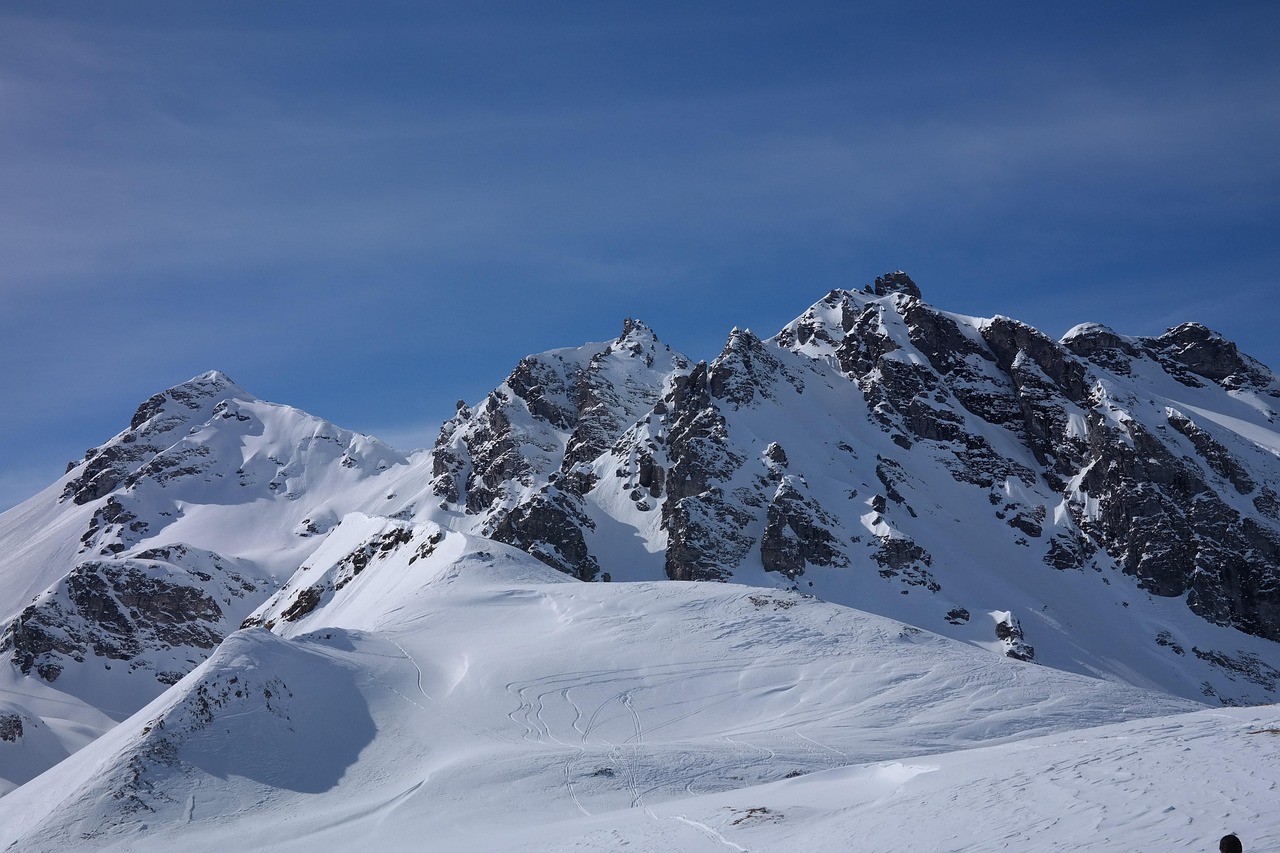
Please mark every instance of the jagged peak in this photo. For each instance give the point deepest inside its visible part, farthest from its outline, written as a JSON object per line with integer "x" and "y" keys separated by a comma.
{"x": 192, "y": 394}
{"x": 162, "y": 420}
{"x": 1193, "y": 330}
{"x": 741, "y": 339}
{"x": 211, "y": 383}
{"x": 1196, "y": 339}
{"x": 633, "y": 328}
{"x": 836, "y": 298}
{"x": 745, "y": 367}
{"x": 1207, "y": 353}
{"x": 895, "y": 282}
{"x": 823, "y": 324}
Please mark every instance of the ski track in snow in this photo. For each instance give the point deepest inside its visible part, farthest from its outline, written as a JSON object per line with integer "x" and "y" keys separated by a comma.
{"x": 709, "y": 832}
{"x": 821, "y": 746}
{"x": 633, "y": 754}
{"x": 411, "y": 660}
{"x": 540, "y": 702}
{"x": 534, "y": 710}
{"x": 391, "y": 688}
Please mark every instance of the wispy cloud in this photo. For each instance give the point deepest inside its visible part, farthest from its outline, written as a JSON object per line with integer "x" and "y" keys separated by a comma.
{"x": 350, "y": 201}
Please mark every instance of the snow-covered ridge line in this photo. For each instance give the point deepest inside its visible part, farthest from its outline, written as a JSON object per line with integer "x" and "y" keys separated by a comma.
{"x": 1104, "y": 505}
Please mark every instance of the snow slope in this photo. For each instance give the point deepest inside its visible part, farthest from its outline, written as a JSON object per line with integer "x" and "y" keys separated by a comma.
{"x": 454, "y": 680}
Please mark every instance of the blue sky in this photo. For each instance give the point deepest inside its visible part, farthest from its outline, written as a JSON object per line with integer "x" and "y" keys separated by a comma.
{"x": 372, "y": 210}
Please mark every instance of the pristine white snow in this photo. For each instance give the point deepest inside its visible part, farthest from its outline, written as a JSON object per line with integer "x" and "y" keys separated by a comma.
{"x": 474, "y": 697}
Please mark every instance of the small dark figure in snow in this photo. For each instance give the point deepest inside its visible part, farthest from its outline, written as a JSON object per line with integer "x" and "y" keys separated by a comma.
{"x": 1230, "y": 844}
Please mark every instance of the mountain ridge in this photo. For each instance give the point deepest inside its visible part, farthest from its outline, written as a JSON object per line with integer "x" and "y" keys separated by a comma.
{"x": 1103, "y": 504}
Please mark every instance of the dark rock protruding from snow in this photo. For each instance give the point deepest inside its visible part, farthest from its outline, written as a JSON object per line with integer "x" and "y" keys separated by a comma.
{"x": 1200, "y": 351}
{"x": 518, "y": 464}
{"x": 895, "y": 282}
{"x": 154, "y": 612}
{"x": 156, "y": 425}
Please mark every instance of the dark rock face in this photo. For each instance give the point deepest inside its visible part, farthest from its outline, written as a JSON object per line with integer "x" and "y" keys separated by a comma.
{"x": 113, "y": 527}
{"x": 307, "y": 600}
{"x": 494, "y": 454}
{"x": 128, "y": 610}
{"x": 1246, "y": 667}
{"x": 1152, "y": 497}
{"x": 549, "y": 527}
{"x": 1009, "y": 632}
{"x": 103, "y": 469}
{"x": 704, "y": 527}
{"x": 112, "y": 611}
{"x": 746, "y": 369}
{"x": 904, "y": 557}
{"x": 154, "y": 427}
{"x": 1087, "y": 486}
{"x": 1009, "y": 339}
{"x": 520, "y": 461}
{"x": 379, "y": 546}
{"x": 1194, "y": 349}
{"x": 797, "y": 531}
{"x": 1102, "y": 346}
{"x": 1141, "y": 497}
{"x": 1217, "y": 457}
{"x": 350, "y": 566}
{"x": 10, "y": 727}
{"x": 895, "y": 282}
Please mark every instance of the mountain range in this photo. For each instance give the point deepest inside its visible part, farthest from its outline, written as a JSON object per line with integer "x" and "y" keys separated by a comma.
{"x": 625, "y": 578}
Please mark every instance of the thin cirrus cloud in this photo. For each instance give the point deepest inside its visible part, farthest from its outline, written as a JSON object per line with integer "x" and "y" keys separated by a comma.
{"x": 257, "y": 183}
{"x": 345, "y": 210}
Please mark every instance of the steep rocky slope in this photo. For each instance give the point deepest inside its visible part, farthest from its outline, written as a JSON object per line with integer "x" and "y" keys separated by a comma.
{"x": 1079, "y": 502}
{"x": 518, "y": 465}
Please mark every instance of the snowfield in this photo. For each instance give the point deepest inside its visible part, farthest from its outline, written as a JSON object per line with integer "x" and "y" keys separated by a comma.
{"x": 459, "y": 695}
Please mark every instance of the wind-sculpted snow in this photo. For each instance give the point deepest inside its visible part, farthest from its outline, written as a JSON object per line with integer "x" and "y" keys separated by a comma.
{"x": 1173, "y": 783}
{"x": 456, "y": 679}
{"x": 260, "y": 717}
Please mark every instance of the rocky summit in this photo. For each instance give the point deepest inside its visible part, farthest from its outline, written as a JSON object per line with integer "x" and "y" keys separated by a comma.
{"x": 1103, "y": 504}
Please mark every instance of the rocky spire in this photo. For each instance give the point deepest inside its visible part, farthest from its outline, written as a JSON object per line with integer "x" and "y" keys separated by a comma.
{"x": 895, "y": 282}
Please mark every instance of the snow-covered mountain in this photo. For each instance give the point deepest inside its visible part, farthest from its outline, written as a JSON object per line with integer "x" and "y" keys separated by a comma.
{"x": 125, "y": 574}
{"x": 1105, "y": 505}
{"x": 952, "y": 532}
{"x": 455, "y": 678}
